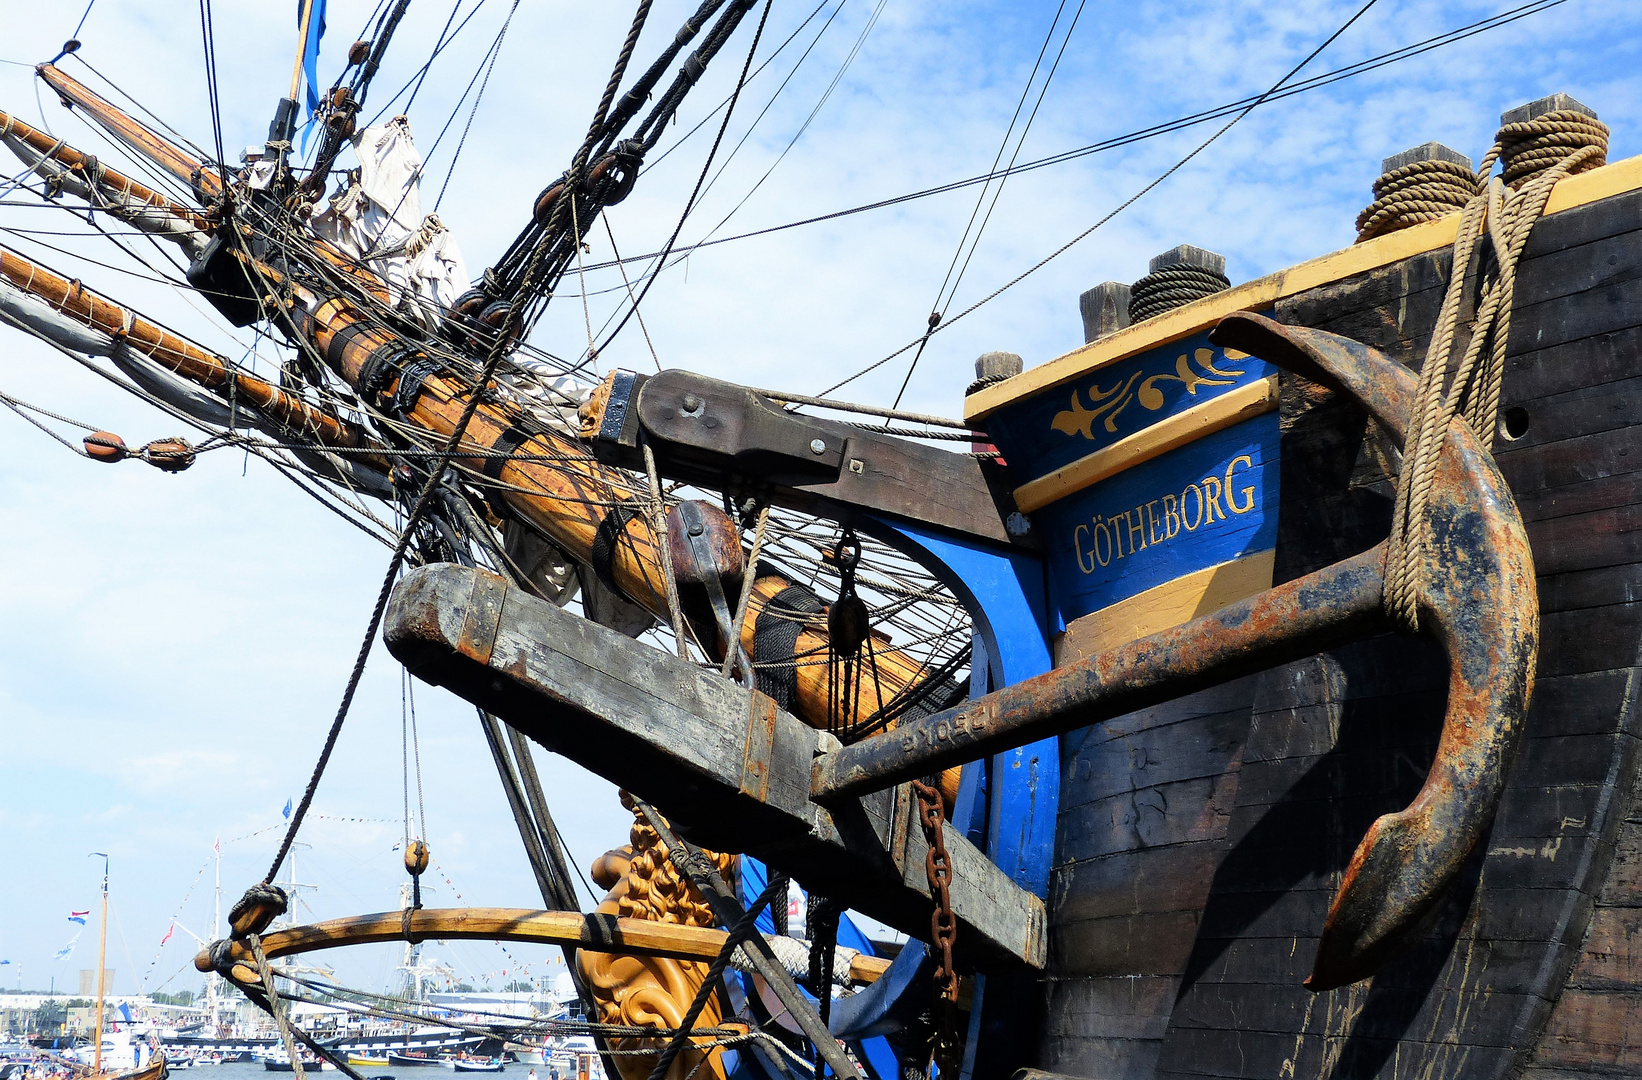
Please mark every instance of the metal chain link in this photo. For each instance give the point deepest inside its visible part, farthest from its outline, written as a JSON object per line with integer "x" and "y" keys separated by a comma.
{"x": 943, "y": 927}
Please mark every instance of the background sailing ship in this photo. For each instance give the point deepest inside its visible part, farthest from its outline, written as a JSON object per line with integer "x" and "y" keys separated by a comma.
{"x": 936, "y": 640}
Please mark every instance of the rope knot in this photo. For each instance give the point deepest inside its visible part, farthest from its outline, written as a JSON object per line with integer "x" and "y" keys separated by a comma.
{"x": 260, "y": 906}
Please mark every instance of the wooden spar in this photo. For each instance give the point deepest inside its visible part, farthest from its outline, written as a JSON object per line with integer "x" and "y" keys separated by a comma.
{"x": 178, "y": 355}
{"x": 567, "y": 496}
{"x": 188, "y": 169}
{"x": 301, "y": 48}
{"x": 721, "y": 760}
{"x": 118, "y": 183}
{"x": 640, "y": 937}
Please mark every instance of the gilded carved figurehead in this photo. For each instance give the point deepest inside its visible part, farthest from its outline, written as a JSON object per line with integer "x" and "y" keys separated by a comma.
{"x": 645, "y": 991}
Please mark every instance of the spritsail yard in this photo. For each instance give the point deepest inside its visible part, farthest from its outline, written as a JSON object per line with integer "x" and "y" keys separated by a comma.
{"x": 1220, "y": 704}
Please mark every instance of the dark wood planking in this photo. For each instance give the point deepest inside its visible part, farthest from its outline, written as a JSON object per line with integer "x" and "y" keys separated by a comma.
{"x": 1181, "y": 812}
{"x": 1113, "y": 1027}
{"x": 1105, "y": 1058}
{"x": 1569, "y": 741}
{"x": 1333, "y": 742}
{"x": 1146, "y": 943}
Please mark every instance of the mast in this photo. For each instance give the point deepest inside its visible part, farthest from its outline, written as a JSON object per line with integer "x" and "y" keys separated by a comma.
{"x": 212, "y": 1005}
{"x": 133, "y": 135}
{"x": 284, "y": 125}
{"x": 102, "y": 949}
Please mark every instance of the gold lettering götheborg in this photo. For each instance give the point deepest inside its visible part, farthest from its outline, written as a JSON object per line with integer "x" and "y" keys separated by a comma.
{"x": 1104, "y": 538}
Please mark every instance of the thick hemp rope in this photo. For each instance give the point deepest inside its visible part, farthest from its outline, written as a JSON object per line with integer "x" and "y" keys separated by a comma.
{"x": 1534, "y": 156}
{"x": 1418, "y": 192}
{"x": 1169, "y": 287}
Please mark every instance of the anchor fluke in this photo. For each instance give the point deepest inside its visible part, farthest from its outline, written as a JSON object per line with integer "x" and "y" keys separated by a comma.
{"x": 1480, "y": 601}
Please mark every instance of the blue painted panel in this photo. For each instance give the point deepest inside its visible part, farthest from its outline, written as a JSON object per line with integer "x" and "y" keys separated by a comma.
{"x": 1057, "y": 427}
{"x": 1004, "y": 594}
{"x": 1203, "y": 504}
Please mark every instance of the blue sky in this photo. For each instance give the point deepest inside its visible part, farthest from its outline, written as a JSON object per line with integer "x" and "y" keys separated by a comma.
{"x": 172, "y": 647}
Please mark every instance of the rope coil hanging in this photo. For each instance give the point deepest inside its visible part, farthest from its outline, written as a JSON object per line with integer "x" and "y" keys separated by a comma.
{"x": 1536, "y": 154}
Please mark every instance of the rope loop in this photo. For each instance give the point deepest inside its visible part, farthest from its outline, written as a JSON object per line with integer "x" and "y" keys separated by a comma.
{"x": 1534, "y": 156}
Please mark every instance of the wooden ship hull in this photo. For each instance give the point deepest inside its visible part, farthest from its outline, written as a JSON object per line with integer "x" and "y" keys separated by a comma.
{"x": 1199, "y": 843}
{"x": 1202, "y": 813}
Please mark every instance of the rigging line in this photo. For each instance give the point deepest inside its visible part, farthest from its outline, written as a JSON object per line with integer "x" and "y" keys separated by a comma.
{"x": 626, "y": 284}
{"x": 802, "y": 128}
{"x": 998, "y": 192}
{"x": 690, "y": 203}
{"x": 759, "y": 70}
{"x": 1003, "y": 144}
{"x": 659, "y": 265}
{"x": 428, "y": 64}
{"x": 1406, "y": 52}
{"x": 1130, "y": 201}
{"x": 420, "y": 77}
{"x": 424, "y": 501}
{"x": 81, "y": 24}
{"x": 169, "y": 130}
{"x": 940, "y": 304}
{"x": 208, "y": 37}
{"x": 495, "y": 54}
{"x": 768, "y": 105}
{"x": 20, "y": 408}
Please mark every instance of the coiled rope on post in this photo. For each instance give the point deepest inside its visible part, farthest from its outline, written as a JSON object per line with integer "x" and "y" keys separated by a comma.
{"x": 1417, "y": 192}
{"x": 1535, "y": 155}
{"x": 1170, "y": 287}
{"x": 1532, "y": 147}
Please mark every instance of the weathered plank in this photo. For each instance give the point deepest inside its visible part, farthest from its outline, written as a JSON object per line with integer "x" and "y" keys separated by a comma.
{"x": 719, "y": 760}
{"x": 1598, "y": 1029}
{"x": 1181, "y": 811}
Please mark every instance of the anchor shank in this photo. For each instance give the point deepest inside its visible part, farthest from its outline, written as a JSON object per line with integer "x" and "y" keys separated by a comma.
{"x": 1292, "y": 620}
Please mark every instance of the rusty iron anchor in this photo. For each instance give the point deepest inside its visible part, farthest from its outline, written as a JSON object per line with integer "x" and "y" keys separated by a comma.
{"x": 1479, "y": 601}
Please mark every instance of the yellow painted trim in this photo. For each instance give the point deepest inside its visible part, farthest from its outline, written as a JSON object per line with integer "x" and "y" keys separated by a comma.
{"x": 1169, "y": 604}
{"x": 1170, "y": 433}
{"x": 1586, "y": 187}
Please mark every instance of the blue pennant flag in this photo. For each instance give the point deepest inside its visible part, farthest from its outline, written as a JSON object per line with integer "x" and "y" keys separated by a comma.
{"x": 286, "y": 813}
{"x": 67, "y": 950}
{"x": 310, "y": 57}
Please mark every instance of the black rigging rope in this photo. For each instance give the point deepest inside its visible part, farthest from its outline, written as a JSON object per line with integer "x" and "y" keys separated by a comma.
{"x": 706, "y": 165}
{"x": 208, "y": 38}
{"x": 1406, "y": 52}
{"x": 1130, "y": 201}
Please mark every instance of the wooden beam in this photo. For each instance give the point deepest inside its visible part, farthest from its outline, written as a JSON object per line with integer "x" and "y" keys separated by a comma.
{"x": 180, "y": 356}
{"x": 107, "y": 178}
{"x": 190, "y": 170}
{"x": 605, "y": 933}
{"x": 727, "y": 767}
